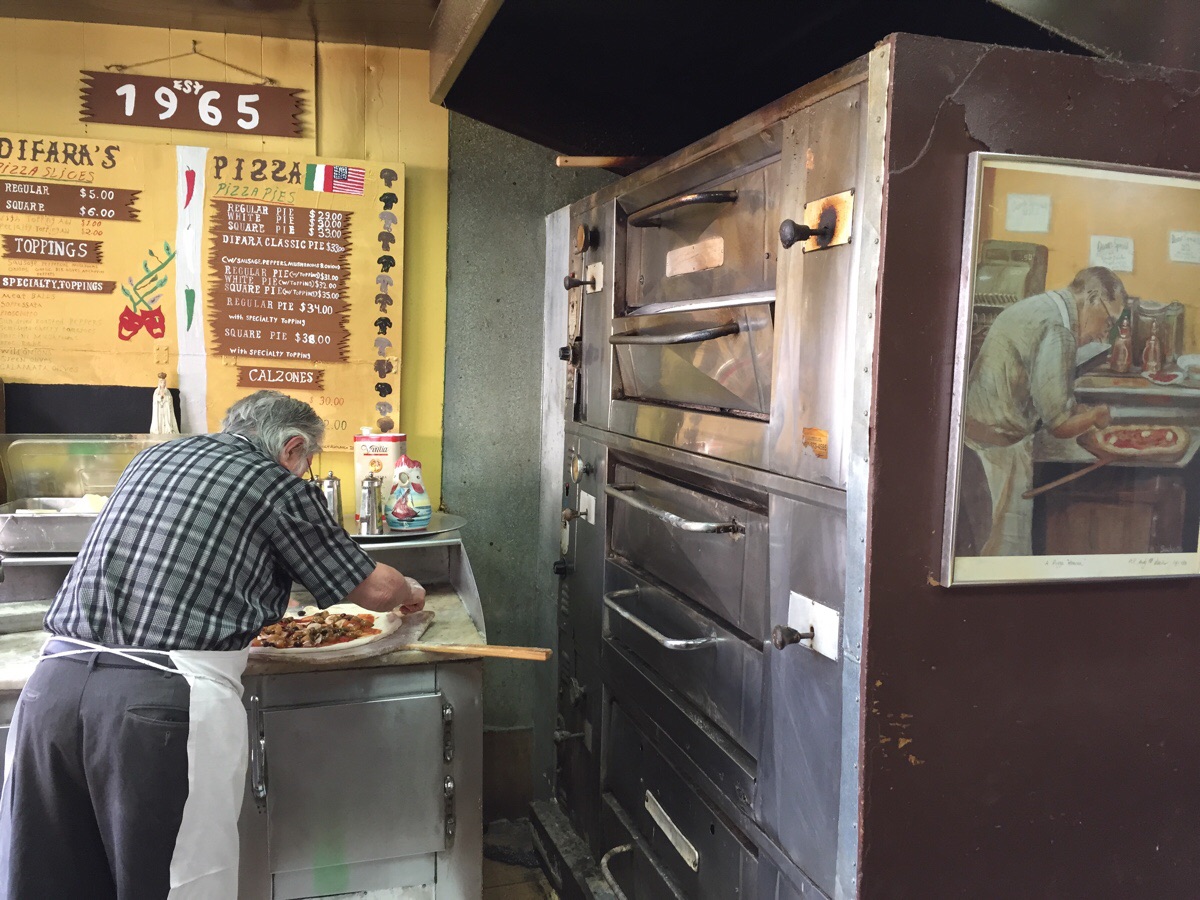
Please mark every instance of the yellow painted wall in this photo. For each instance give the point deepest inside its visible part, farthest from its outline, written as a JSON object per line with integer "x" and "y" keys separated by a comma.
{"x": 364, "y": 102}
{"x": 1081, "y": 207}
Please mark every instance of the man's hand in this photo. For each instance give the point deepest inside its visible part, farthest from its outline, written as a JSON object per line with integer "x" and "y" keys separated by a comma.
{"x": 416, "y": 597}
{"x": 1101, "y": 416}
{"x": 385, "y": 589}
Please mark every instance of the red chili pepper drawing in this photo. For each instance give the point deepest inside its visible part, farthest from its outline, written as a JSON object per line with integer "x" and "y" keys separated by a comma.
{"x": 189, "y": 178}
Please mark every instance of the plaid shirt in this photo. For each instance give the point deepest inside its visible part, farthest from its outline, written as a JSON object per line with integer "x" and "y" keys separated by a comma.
{"x": 198, "y": 547}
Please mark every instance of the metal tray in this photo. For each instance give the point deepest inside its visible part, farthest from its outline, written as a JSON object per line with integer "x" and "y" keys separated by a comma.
{"x": 439, "y": 524}
{"x": 53, "y": 530}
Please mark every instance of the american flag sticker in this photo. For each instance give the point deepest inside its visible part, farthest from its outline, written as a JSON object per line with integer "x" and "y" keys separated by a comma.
{"x": 335, "y": 179}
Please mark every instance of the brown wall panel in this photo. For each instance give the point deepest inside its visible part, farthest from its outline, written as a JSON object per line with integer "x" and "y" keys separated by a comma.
{"x": 1025, "y": 741}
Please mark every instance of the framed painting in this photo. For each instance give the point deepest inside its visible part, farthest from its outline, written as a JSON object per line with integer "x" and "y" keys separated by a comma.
{"x": 1076, "y": 404}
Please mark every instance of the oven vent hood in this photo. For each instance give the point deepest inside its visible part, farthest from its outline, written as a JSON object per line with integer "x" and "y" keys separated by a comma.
{"x": 638, "y": 78}
{"x": 1164, "y": 33}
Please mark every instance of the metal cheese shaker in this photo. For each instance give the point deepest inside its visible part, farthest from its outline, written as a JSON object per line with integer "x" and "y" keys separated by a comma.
{"x": 370, "y": 506}
{"x": 331, "y": 487}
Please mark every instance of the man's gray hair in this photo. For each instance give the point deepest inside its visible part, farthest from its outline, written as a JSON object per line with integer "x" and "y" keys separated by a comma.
{"x": 275, "y": 419}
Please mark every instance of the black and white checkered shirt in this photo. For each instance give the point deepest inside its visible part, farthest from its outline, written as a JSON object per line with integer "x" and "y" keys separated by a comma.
{"x": 198, "y": 547}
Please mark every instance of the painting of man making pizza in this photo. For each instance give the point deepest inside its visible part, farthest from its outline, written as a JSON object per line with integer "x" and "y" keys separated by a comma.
{"x": 1077, "y": 417}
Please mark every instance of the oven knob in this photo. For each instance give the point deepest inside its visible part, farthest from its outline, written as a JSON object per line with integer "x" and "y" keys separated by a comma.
{"x": 782, "y": 635}
{"x": 562, "y": 567}
{"x": 790, "y": 232}
{"x": 572, "y": 282}
{"x": 579, "y": 468}
{"x": 570, "y": 353}
{"x": 585, "y": 238}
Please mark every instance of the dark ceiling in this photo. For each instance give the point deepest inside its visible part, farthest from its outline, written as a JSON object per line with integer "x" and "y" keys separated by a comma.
{"x": 646, "y": 77}
{"x": 389, "y": 23}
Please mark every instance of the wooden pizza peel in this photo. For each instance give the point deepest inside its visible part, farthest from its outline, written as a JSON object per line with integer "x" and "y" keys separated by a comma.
{"x": 1090, "y": 441}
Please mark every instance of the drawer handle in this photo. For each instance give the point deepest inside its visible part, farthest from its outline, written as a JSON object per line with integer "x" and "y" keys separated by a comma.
{"x": 678, "y": 840}
{"x": 679, "y": 337}
{"x": 625, "y": 492}
{"x": 16, "y": 561}
{"x": 648, "y": 217}
{"x": 258, "y": 755}
{"x": 607, "y": 872}
{"x": 610, "y": 601}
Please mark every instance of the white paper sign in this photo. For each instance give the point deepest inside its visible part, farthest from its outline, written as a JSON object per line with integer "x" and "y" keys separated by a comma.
{"x": 1184, "y": 246}
{"x": 1028, "y": 212}
{"x": 1114, "y": 253}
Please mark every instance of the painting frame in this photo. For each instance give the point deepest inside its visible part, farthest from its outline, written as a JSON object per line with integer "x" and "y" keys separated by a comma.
{"x": 979, "y": 569}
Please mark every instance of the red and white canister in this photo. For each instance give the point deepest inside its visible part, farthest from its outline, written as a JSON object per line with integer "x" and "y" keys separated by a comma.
{"x": 376, "y": 454}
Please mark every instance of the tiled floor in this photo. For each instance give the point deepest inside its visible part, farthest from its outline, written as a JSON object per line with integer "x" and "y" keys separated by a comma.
{"x": 501, "y": 882}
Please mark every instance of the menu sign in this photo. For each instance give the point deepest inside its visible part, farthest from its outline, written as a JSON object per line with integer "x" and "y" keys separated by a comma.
{"x": 300, "y": 292}
{"x": 82, "y": 227}
{"x": 281, "y": 275}
{"x": 236, "y": 273}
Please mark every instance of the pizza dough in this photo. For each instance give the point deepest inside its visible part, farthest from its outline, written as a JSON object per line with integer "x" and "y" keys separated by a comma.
{"x": 1154, "y": 442}
{"x": 386, "y": 623}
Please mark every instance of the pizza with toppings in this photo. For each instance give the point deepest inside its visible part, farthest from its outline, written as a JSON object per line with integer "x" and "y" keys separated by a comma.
{"x": 1157, "y": 442}
{"x": 337, "y": 628}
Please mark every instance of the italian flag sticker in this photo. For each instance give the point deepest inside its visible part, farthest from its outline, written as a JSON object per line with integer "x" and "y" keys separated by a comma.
{"x": 326, "y": 179}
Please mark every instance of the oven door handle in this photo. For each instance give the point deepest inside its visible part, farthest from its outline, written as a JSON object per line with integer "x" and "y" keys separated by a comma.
{"x": 649, "y": 217}
{"x": 610, "y": 601}
{"x": 624, "y": 493}
{"x": 679, "y": 337}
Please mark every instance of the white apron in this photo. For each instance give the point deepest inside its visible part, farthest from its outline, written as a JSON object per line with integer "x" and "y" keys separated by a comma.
{"x": 204, "y": 865}
{"x": 1009, "y": 472}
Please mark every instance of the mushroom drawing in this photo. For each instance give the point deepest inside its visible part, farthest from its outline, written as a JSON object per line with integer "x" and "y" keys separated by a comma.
{"x": 383, "y": 301}
{"x": 382, "y": 388}
{"x": 386, "y": 239}
{"x": 382, "y": 345}
{"x": 389, "y": 176}
{"x": 388, "y": 200}
{"x": 383, "y": 408}
{"x": 386, "y": 262}
{"x": 383, "y": 367}
{"x": 384, "y": 282}
{"x": 383, "y": 323}
{"x": 388, "y": 218}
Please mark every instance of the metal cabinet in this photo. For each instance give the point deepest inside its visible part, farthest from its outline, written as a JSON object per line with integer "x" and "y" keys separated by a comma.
{"x": 339, "y": 814}
{"x": 364, "y": 780}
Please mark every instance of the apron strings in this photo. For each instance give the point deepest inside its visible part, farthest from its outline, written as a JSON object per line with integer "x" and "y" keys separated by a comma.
{"x": 89, "y": 647}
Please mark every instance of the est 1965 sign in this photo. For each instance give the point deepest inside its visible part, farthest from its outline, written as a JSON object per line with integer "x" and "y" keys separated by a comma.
{"x": 122, "y": 99}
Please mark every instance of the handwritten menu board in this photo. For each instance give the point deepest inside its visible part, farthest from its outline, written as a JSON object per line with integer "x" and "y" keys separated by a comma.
{"x": 281, "y": 277}
{"x": 230, "y": 271}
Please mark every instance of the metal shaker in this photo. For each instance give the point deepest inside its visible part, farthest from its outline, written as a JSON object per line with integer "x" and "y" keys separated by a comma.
{"x": 370, "y": 506}
{"x": 331, "y": 487}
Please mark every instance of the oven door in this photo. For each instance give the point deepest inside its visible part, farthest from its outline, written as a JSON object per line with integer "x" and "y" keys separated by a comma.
{"x": 709, "y": 548}
{"x": 717, "y": 360}
{"x": 720, "y": 673}
{"x": 692, "y": 336}
{"x": 693, "y": 850}
{"x": 715, "y": 240}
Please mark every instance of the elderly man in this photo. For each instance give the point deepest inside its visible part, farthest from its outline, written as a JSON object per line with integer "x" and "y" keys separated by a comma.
{"x": 1024, "y": 380}
{"x": 127, "y": 754}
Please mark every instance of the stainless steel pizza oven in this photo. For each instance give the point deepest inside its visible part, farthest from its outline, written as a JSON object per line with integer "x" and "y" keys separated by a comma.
{"x": 710, "y": 349}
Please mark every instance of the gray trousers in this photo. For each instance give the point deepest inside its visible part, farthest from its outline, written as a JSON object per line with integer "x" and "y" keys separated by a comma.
{"x": 95, "y": 797}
